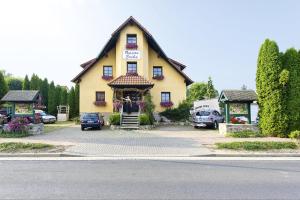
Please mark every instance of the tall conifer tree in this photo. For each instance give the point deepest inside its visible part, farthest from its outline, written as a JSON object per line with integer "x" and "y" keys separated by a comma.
{"x": 273, "y": 120}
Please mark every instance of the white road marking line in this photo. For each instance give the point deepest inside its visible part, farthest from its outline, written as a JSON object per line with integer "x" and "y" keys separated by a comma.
{"x": 150, "y": 158}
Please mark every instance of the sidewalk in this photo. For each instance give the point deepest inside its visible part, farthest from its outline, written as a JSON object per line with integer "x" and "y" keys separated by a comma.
{"x": 161, "y": 142}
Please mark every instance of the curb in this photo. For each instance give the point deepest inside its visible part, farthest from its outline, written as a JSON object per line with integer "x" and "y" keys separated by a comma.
{"x": 120, "y": 156}
{"x": 251, "y": 155}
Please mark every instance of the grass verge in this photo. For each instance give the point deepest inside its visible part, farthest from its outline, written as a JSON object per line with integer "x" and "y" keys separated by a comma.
{"x": 256, "y": 146}
{"x": 244, "y": 134}
{"x": 21, "y": 147}
{"x": 13, "y": 135}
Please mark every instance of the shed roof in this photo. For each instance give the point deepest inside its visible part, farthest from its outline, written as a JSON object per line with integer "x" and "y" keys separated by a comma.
{"x": 21, "y": 96}
{"x": 238, "y": 96}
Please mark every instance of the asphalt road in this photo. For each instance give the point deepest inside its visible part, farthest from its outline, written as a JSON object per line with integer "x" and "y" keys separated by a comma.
{"x": 149, "y": 179}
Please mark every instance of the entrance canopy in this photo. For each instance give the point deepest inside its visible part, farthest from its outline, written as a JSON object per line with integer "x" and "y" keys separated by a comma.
{"x": 131, "y": 81}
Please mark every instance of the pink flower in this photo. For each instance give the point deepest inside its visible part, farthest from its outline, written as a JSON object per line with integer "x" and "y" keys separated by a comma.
{"x": 107, "y": 78}
{"x": 166, "y": 104}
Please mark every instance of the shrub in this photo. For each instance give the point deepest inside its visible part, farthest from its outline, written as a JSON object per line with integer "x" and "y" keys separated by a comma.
{"x": 181, "y": 113}
{"x": 257, "y": 146}
{"x": 149, "y": 107}
{"x": 245, "y": 134}
{"x": 144, "y": 119}
{"x": 18, "y": 124}
{"x": 295, "y": 135}
{"x": 114, "y": 119}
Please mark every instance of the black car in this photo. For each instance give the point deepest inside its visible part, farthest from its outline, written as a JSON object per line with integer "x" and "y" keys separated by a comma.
{"x": 91, "y": 120}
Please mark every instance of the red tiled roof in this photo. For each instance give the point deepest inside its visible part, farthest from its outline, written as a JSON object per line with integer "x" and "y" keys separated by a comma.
{"x": 130, "y": 80}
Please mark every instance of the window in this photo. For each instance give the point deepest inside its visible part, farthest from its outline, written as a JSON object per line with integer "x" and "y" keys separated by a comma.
{"x": 131, "y": 39}
{"x": 165, "y": 97}
{"x": 131, "y": 67}
{"x": 100, "y": 96}
{"x": 107, "y": 71}
{"x": 157, "y": 71}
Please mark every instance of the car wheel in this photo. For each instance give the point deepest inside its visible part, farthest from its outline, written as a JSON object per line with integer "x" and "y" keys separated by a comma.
{"x": 216, "y": 125}
{"x": 99, "y": 128}
{"x": 82, "y": 128}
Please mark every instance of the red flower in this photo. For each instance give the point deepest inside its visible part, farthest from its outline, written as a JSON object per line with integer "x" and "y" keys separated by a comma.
{"x": 131, "y": 46}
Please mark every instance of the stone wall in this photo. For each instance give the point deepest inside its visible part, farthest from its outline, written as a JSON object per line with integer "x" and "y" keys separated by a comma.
{"x": 231, "y": 128}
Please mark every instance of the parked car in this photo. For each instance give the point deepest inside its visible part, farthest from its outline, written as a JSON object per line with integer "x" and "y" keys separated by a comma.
{"x": 207, "y": 118}
{"x": 91, "y": 120}
{"x": 46, "y": 118}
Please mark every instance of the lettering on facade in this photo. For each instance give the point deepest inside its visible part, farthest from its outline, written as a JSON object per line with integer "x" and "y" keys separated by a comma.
{"x": 131, "y": 54}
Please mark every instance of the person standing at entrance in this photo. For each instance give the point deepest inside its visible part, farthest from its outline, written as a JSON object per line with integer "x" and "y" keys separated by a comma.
{"x": 128, "y": 104}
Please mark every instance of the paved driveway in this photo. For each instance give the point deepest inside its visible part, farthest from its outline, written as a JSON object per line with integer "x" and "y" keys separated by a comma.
{"x": 163, "y": 141}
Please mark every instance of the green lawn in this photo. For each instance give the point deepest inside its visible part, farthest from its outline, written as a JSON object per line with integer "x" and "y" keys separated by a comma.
{"x": 257, "y": 146}
{"x": 11, "y": 147}
{"x": 245, "y": 134}
{"x": 57, "y": 126}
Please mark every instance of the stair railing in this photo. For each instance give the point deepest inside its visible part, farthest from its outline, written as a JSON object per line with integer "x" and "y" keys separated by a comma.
{"x": 121, "y": 113}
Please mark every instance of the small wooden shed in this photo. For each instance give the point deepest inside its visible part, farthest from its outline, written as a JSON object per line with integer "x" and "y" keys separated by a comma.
{"x": 23, "y": 102}
{"x": 237, "y": 103}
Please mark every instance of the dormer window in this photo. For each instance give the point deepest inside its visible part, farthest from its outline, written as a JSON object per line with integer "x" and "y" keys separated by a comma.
{"x": 131, "y": 41}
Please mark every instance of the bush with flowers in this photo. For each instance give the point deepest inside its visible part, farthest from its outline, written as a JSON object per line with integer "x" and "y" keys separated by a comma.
{"x": 17, "y": 127}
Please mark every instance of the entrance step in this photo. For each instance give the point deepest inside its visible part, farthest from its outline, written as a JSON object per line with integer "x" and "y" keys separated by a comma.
{"x": 130, "y": 121}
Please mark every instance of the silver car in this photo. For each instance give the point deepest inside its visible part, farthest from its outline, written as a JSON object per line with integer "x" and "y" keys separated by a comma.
{"x": 207, "y": 118}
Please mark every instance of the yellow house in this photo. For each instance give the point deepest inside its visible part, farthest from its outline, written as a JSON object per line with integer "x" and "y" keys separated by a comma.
{"x": 131, "y": 64}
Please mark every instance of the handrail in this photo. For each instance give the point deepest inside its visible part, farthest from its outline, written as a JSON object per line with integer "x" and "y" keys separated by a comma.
{"x": 121, "y": 114}
{"x": 139, "y": 114}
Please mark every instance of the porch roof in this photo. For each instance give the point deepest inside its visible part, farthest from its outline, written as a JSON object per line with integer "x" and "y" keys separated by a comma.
{"x": 130, "y": 81}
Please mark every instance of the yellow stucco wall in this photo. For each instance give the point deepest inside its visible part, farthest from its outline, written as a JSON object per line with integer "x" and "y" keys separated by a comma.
{"x": 91, "y": 81}
{"x": 173, "y": 82}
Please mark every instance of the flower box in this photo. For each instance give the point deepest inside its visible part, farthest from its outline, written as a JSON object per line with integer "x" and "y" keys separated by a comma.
{"x": 107, "y": 78}
{"x": 131, "y": 46}
{"x": 100, "y": 103}
{"x": 168, "y": 104}
{"x": 159, "y": 77}
{"x": 131, "y": 74}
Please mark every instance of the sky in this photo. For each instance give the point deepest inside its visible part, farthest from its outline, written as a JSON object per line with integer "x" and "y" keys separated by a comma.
{"x": 213, "y": 38}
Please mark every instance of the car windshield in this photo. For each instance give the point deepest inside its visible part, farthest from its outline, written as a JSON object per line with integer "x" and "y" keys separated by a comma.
{"x": 90, "y": 116}
{"x": 203, "y": 113}
{"x": 43, "y": 114}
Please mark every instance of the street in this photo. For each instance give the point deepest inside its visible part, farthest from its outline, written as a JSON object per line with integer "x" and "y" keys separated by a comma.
{"x": 149, "y": 179}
